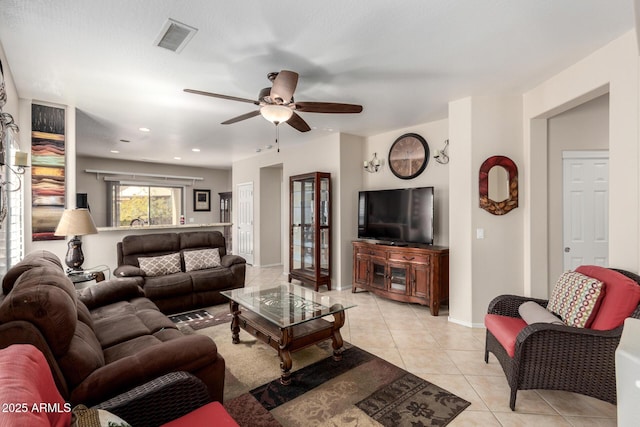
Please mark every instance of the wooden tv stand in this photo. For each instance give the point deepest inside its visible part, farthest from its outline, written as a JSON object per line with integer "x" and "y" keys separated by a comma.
{"x": 413, "y": 273}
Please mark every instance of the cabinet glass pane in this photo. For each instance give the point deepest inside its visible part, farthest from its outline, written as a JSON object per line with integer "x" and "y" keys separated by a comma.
{"x": 308, "y": 197}
{"x": 398, "y": 281}
{"x": 324, "y": 251}
{"x": 377, "y": 279}
{"x": 308, "y": 261}
{"x": 296, "y": 247}
{"x": 324, "y": 201}
{"x": 296, "y": 206}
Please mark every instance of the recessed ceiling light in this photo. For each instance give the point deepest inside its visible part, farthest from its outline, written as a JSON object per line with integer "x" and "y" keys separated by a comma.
{"x": 115, "y": 151}
{"x": 195, "y": 150}
{"x": 144, "y": 130}
{"x": 268, "y": 147}
{"x": 124, "y": 140}
{"x": 177, "y": 158}
{"x": 258, "y": 150}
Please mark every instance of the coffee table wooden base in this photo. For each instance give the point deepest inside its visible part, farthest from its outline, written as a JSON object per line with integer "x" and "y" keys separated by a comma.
{"x": 288, "y": 340}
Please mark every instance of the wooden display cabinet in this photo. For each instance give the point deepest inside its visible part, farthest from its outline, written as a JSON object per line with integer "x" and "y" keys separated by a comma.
{"x": 415, "y": 273}
{"x": 310, "y": 229}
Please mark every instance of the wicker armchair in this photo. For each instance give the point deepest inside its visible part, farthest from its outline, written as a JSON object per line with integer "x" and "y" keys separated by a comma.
{"x": 557, "y": 357}
{"x": 160, "y": 400}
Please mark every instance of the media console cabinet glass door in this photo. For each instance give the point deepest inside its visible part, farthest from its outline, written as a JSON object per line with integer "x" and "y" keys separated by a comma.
{"x": 310, "y": 229}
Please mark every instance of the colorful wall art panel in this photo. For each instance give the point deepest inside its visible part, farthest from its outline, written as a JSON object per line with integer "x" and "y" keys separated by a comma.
{"x": 48, "y": 170}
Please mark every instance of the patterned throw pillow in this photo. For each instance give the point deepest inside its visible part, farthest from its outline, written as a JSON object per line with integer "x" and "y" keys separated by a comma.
{"x": 201, "y": 259}
{"x": 160, "y": 265}
{"x": 574, "y": 298}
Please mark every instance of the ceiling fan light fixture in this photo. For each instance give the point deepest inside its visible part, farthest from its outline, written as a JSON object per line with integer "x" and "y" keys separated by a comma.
{"x": 276, "y": 114}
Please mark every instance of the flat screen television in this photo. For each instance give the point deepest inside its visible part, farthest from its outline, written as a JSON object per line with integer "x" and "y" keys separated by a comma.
{"x": 397, "y": 217}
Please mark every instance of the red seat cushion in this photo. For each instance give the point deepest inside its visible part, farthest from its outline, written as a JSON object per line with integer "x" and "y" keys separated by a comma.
{"x": 505, "y": 329}
{"x": 621, "y": 297}
{"x": 212, "y": 414}
{"x": 27, "y": 391}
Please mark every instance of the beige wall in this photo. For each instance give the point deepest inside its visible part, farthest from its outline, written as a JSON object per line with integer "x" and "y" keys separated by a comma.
{"x": 480, "y": 269}
{"x": 436, "y": 174}
{"x": 612, "y": 69}
{"x": 271, "y": 213}
{"x": 585, "y": 127}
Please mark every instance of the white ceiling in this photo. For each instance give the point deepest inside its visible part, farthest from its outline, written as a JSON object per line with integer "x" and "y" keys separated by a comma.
{"x": 402, "y": 60}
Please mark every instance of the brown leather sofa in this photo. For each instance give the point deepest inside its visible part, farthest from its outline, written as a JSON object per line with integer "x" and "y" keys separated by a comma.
{"x": 183, "y": 290}
{"x": 103, "y": 340}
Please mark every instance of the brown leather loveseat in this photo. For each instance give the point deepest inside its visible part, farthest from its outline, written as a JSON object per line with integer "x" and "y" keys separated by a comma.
{"x": 103, "y": 340}
{"x": 177, "y": 284}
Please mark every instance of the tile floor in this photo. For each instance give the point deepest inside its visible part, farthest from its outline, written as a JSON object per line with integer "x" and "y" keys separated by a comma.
{"x": 451, "y": 356}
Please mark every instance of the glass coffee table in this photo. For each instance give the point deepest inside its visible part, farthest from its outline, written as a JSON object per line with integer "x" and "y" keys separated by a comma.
{"x": 288, "y": 318}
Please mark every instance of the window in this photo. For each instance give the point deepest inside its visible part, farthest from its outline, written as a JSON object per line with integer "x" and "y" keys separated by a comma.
{"x": 142, "y": 204}
{"x": 11, "y": 229}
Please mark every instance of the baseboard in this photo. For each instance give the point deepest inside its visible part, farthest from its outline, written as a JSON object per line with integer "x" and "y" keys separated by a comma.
{"x": 463, "y": 323}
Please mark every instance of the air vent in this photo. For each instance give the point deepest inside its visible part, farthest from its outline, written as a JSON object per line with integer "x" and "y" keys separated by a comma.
{"x": 175, "y": 35}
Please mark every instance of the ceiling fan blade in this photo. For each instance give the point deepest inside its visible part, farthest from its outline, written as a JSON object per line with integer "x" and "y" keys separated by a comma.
{"x": 327, "y": 107}
{"x": 242, "y": 117}
{"x": 283, "y": 86}
{"x": 298, "y": 123}
{"x": 217, "y": 95}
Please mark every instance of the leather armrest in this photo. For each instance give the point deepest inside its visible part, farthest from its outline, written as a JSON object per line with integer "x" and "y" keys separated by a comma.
{"x": 111, "y": 291}
{"x": 229, "y": 260}
{"x": 128, "y": 271}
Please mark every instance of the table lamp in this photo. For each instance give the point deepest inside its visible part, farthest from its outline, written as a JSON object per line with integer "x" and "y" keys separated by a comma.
{"x": 76, "y": 223}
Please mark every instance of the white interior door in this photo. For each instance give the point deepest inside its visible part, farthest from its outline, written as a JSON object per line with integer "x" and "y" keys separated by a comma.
{"x": 245, "y": 221}
{"x": 586, "y": 208}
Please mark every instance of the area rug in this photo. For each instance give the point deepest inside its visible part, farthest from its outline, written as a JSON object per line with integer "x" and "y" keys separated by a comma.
{"x": 359, "y": 390}
{"x": 200, "y": 319}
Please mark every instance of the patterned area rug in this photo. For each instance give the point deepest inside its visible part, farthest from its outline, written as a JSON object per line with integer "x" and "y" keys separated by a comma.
{"x": 359, "y": 390}
{"x": 200, "y": 319}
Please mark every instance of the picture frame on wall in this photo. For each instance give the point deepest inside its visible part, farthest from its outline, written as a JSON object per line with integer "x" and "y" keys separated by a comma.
{"x": 202, "y": 200}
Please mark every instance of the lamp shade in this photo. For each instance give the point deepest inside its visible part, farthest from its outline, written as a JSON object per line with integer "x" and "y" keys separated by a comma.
{"x": 75, "y": 222}
{"x": 276, "y": 113}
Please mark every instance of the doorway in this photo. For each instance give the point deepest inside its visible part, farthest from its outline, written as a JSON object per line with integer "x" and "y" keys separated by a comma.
{"x": 585, "y": 208}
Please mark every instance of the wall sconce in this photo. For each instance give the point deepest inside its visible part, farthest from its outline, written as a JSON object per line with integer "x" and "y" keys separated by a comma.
{"x": 20, "y": 163}
{"x": 372, "y": 165}
{"x": 441, "y": 155}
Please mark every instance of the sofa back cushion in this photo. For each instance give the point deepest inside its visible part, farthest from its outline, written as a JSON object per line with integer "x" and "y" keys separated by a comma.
{"x": 575, "y": 298}
{"x": 622, "y": 296}
{"x": 39, "y": 258}
{"x": 46, "y": 298}
{"x": 203, "y": 240}
{"x": 147, "y": 245}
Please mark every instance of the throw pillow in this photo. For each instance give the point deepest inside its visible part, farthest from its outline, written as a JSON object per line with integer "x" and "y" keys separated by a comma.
{"x": 575, "y": 297}
{"x": 621, "y": 299}
{"x": 160, "y": 265}
{"x": 90, "y": 417}
{"x": 201, "y": 259}
{"x": 532, "y": 312}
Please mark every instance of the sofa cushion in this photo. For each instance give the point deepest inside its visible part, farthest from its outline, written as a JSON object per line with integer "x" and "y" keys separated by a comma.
{"x": 211, "y": 279}
{"x": 168, "y": 286}
{"x": 42, "y": 300}
{"x": 575, "y": 298}
{"x": 39, "y": 258}
{"x": 84, "y": 356}
{"x": 532, "y": 312}
{"x": 622, "y": 296}
{"x": 203, "y": 240}
{"x": 26, "y": 381}
{"x": 160, "y": 265}
{"x": 201, "y": 259}
{"x": 505, "y": 329}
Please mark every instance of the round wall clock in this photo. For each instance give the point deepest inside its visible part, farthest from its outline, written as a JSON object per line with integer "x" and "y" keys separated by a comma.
{"x": 409, "y": 156}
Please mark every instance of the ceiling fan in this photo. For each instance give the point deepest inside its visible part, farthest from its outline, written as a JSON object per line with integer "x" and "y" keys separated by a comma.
{"x": 278, "y": 106}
